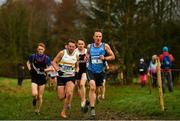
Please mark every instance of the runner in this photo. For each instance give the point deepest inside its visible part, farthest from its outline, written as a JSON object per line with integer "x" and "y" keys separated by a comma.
{"x": 81, "y": 77}
{"x": 101, "y": 89}
{"x": 96, "y": 64}
{"x": 37, "y": 64}
{"x": 66, "y": 65}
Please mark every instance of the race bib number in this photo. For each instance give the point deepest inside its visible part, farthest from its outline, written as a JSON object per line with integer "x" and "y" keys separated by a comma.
{"x": 66, "y": 68}
{"x": 96, "y": 61}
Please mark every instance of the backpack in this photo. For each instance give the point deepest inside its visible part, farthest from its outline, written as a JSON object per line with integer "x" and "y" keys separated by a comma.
{"x": 166, "y": 62}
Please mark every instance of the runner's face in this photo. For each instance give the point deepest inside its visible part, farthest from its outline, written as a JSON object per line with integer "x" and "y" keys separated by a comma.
{"x": 97, "y": 37}
{"x": 80, "y": 44}
{"x": 71, "y": 47}
{"x": 40, "y": 50}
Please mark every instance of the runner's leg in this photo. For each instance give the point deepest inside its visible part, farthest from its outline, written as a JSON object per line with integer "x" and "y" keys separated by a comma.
{"x": 39, "y": 97}
{"x": 61, "y": 92}
{"x": 103, "y": 89}
{"x": 34, "y": 89}
{"x": 69, "y": 94}
{"x": 83, "y": 89}
{"x": 92, "y": 94}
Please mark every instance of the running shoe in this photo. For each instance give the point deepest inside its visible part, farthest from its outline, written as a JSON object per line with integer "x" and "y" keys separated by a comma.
{"x": 84, "y": 109}
{"x": 69, "y": 107}
{"x": 37, "y": 113}
{"x": 63, "y": 115}
{"x": 93, "y": 113}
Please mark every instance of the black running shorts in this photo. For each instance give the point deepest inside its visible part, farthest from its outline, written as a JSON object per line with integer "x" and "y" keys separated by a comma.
{"x": 80, "y": 74}
{"x": 97, "y": 77}
{"x": 38, "y": 79}
{"x": 61, "y": 81}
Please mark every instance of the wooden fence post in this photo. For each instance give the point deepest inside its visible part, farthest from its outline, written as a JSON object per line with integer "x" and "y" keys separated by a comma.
{"x": 161, "y": 100}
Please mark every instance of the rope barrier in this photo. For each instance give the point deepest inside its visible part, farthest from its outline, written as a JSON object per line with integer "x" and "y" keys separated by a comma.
{"x": 171, "y": 69}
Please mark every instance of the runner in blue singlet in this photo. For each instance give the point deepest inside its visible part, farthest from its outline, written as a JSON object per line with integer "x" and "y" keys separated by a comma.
{"x": 96, "y": 64}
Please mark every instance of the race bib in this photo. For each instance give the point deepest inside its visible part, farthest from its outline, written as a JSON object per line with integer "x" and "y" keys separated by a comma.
{"x": 53, "y": 74}
{"x": 96, "y": 61}
{"x": 66, "y": 68}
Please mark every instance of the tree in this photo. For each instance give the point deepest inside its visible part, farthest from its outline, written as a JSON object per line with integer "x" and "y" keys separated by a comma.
{"x": 135, "y": 27}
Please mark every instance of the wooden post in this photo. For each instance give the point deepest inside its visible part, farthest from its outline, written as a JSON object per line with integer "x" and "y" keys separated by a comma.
{"x": 161, "y": 100}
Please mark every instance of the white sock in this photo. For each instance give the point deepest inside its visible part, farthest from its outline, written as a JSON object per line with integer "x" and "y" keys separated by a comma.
{"x": 83, "y": 103}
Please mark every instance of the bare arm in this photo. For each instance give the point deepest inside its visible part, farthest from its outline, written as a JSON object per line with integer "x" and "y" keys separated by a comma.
{"x": 49, "y": 68}
{"x": 57, "y": 59}
{"x": 77, "y": 64}
{"x": 110, "y": 55}
{"x": 87, "y": 53}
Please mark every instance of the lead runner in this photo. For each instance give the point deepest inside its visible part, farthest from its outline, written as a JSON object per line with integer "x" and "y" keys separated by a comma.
{"x": 96, "y": 64}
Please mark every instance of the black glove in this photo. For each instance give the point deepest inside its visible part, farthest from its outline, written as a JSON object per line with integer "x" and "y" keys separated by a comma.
{"x": 76, "y": 75}
{"x": 41, "y": 69}
{"x": 60, "y": 72}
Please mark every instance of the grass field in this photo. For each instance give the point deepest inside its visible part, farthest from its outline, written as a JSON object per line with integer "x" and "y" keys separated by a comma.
{"x": 122, "y": 102}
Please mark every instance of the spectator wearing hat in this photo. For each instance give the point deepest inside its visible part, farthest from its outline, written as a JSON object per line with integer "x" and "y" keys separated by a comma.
{"x": 166, "y": 60}
{"x": 142, "y": 69}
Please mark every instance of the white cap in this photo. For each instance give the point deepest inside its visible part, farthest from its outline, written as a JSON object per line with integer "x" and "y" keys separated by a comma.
{"x": 141, "y": 60}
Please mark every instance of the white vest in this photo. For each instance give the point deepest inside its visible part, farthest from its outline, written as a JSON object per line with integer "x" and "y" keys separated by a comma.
{"x": 67, "y": 64}
{"x": 79, "y": 53}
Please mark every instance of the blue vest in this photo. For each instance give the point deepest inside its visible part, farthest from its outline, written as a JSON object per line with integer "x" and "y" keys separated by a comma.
{"x": 95, "y": 64}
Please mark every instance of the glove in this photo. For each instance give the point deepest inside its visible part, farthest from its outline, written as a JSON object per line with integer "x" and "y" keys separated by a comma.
{"x": 76, "y": 75}
{"x": 41, "y": 69}
{"x": 60, "y": 72}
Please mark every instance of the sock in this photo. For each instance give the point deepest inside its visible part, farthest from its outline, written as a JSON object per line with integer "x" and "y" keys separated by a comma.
{"x": 83, "y": 103}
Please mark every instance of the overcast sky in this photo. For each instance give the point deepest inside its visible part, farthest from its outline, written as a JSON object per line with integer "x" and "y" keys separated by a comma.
{"x": 2, "y": 1}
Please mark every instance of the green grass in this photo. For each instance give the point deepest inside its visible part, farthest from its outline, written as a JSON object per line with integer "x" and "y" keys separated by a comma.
{"x": 122, "y": 102}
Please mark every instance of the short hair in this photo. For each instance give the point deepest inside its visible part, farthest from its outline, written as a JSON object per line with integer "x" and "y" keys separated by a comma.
{"x": 80, "y": 39}
{"x": 71, "y": 41}
{"x": 42, "y": 45}
{"x": 98, "y": 30}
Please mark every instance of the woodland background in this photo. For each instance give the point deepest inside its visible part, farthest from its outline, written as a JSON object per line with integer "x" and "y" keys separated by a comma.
{"x": 133, "y": 28}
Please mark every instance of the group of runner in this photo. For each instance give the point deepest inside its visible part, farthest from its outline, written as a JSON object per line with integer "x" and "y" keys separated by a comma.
{"x": 72, "y": 66}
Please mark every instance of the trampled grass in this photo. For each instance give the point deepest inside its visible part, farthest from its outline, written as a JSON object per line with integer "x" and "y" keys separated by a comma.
{"x": 122, "y": 102}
